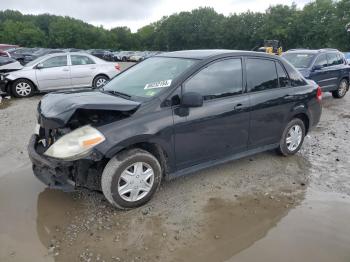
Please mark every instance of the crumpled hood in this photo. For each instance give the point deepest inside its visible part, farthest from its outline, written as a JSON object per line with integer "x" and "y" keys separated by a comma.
{"x": 56, "y": 109}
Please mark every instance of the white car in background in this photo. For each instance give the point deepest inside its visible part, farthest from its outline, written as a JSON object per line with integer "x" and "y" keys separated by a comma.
{"x": 61, "y": 71}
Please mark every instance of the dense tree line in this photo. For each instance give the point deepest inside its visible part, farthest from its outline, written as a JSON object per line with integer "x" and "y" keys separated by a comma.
{"x": 319, "y": 24}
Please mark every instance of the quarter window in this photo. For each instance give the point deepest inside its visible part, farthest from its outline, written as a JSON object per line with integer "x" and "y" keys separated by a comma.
{"x": 81, "y": 60}
{"x": 220, "y": 79}
{"x": 261, "y": 74}
{"x": 282, "y": 76}
{"x": 55, "y": 62}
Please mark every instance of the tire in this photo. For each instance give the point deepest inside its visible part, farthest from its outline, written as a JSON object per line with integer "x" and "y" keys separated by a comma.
{"x": 99, "y": 81}
{"x": 22, "y": 88}
{"x": 124, "y": 59}
{"x": 292, "y": 147}
{"x": 342, "y": 89}
{"x": 127, "y": 195}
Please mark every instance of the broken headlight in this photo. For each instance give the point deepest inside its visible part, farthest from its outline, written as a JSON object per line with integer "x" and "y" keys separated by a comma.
{"x": 75, "y": 144}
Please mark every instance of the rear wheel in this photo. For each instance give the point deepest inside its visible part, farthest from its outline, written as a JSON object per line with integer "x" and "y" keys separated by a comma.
{"x": 342, "y": 89}
{"x": 131, "y": 178}
{"x": 292, "y": 137}
{"x": 99, "y": 81}
{"x": 22, "y": 88}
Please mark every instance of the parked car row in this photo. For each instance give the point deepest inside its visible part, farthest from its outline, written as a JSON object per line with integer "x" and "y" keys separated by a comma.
{"x": 133, "y": 56}
{"x": 329, "y": 68}
{"x": 25, "y": 55}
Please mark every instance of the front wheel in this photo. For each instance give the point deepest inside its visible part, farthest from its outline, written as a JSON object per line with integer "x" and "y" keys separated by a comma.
{"x": 22, "y": 88}
{"x": 342, "y": 89}
{"x": 292, "y": 137}
{"x": 99, "y": 81}
{"x": 131, "y": 178}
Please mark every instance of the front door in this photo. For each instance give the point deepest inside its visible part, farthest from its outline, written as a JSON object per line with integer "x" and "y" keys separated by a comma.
{"x": 218, "y": 128}
{"x": 54, "y": 73}
{"x": 321, "y": 72}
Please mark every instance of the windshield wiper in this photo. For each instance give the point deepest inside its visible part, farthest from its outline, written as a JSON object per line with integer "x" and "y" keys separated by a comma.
{"x": 123, "y": 95}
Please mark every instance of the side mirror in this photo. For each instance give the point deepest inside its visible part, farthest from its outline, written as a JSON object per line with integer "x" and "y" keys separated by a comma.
{"x": 39, "y": 66}
{"x": 192, "y": 99}
{"x": 317, "y": 67}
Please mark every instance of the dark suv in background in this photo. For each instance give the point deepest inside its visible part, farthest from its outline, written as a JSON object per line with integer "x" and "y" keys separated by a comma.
{"x": 168, "y": 116}
{"x": 327, "y": 67}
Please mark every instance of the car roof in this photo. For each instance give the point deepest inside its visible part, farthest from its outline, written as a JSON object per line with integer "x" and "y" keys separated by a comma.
{"x": 66, "y": 53}
{"x": 312, "y": 51}
{"x": 208, "y": 53}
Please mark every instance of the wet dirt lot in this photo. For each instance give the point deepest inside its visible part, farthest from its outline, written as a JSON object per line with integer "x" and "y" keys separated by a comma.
{"x": 260, "y": 208}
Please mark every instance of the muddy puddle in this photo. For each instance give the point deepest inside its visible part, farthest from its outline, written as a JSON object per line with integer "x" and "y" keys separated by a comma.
{"x": 292, "y": 224}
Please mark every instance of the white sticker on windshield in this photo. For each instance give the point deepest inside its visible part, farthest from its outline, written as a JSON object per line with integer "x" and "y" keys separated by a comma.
{"x": 159, "y": 84}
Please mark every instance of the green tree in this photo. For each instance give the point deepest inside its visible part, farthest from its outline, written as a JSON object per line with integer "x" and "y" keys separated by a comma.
{"x": 22, "y": 33}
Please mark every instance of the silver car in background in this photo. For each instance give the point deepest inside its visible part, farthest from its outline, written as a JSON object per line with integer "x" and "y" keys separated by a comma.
{"x": 61, "y": 71}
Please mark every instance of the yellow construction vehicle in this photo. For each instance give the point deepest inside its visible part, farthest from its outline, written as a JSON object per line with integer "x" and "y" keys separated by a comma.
{"x": 271, "y": 47}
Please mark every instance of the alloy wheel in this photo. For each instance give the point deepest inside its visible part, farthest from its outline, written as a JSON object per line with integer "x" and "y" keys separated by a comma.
{"x": 343, "y": 87}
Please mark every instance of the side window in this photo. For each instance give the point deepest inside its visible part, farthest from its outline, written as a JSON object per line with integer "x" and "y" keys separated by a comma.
{"x": 340, "y": 59}
{"x": 55, "y": 61}
{"x": 81, "y": 60}
{"x": 332, "y": 59}
{"x": 261, "y": 74}
{"x": 220, "y": 79}
{"x": 321, "y": 61}
{"x": 282, "y": 76}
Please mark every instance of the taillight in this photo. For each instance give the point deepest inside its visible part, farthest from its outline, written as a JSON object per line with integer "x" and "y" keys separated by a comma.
{"x": 117, "y": 67}
{"x": 319, "y": 94}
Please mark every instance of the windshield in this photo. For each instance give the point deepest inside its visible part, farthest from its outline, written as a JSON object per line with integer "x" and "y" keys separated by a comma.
{"x": 31, "y": 63}
{"x": 347, "y": 55}
{"x": 149, "y": 77}
{"x": 299, "y": 60}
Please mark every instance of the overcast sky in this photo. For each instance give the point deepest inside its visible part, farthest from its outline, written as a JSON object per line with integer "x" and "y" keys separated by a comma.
{"x": 134, "y": 13}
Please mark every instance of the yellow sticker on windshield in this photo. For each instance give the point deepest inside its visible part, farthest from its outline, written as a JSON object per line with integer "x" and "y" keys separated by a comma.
{"x": 159, "y": 84}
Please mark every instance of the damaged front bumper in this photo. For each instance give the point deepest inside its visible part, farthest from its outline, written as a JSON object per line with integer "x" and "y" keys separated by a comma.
{"x": 66, "y": 175}
{"x": 53, "y": 173}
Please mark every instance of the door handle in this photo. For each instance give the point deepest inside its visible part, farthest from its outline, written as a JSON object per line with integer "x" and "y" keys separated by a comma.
{"x": 238, "y": 106}
{"x": 65, "y": 69}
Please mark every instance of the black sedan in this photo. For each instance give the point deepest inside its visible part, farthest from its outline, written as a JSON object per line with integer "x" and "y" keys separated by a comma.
{"x": 168, "y": 116}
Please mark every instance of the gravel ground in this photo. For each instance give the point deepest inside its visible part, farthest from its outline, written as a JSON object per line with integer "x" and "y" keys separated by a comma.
{"x": 261, "y": 208}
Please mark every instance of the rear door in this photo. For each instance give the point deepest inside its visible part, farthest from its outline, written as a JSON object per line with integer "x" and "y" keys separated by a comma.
{"x": 83, "y": 70}
{"x": 54, "y": 73}
{"x": 220, "y": 127}
{"x": 271, "y": 99}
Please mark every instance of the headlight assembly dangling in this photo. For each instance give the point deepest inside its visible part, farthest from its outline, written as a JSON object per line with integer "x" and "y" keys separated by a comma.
{"x": 76, "y": 144}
